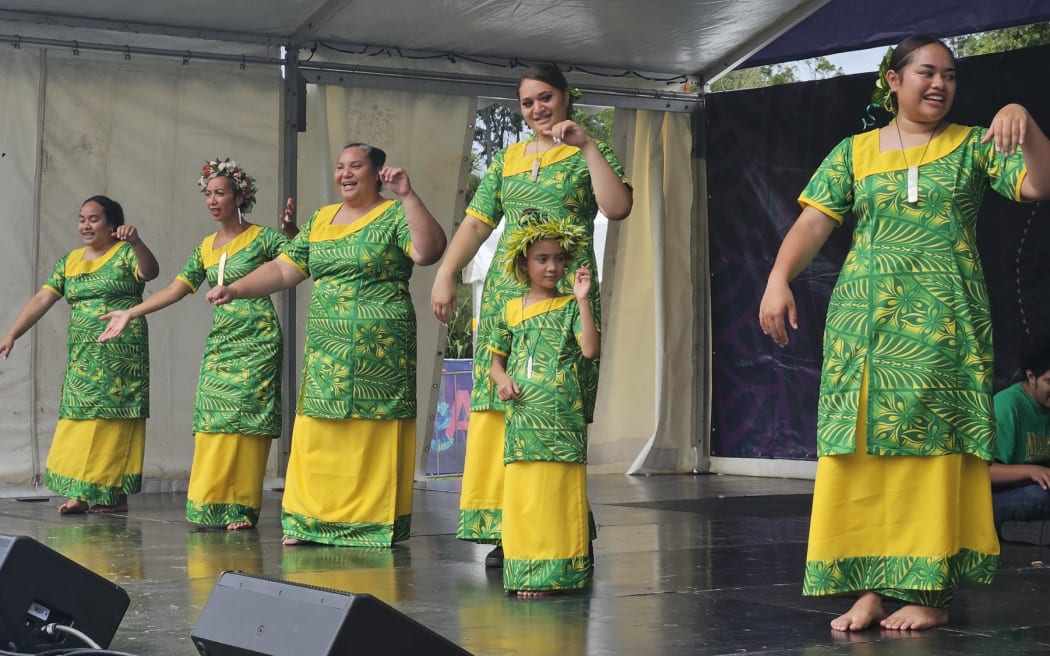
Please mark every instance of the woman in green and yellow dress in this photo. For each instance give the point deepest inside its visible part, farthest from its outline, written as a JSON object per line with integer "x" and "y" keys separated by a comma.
{"x": 237, "y": 411}
{"x": 349, "y": 479}
{"x": 902, "y": 501}
{"x": 97, "y": 451}
{"x": 567, "y": 175}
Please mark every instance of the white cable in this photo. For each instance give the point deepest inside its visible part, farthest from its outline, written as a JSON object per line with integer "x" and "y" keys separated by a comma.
{"x": 51, "y": 628}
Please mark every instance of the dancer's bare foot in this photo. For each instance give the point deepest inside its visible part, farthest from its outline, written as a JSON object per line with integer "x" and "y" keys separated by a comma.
{"x": 73, "y": 507}
{"x": 293, "y": 542}
{"x": 121, "y": 506}
{"x": 914, "y": 617}
{"x": 866, "y": 610}
{"x": 237, "y": 526}
{"x": 526, "y": 594}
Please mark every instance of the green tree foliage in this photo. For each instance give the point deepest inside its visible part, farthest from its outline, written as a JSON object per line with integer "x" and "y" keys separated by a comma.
{"x": 1010, "y": 38}
{"x": 817, "y": 68}
{"x": 753, "y": 78}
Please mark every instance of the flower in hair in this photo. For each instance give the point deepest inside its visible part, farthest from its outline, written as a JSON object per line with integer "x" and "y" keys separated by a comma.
{"x": 882, "y": 96}
{"x": 242, "y": 183}
{"x": 537, "y": 225}
{"x": 574, "y": 94}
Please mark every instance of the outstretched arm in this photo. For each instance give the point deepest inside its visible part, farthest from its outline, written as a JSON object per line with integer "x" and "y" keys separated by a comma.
{"x": 38, "y": 304}
{"x": 119, "y": 319}
{"x": 271, "y": 277}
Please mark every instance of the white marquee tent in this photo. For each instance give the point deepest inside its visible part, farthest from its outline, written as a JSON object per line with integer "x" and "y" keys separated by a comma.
{"x": 127, "y": 99}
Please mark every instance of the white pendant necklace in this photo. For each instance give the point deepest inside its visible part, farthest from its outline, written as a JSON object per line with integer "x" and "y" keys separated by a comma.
{"x": 913, "y": 170}
{"x": 536, "y": 161}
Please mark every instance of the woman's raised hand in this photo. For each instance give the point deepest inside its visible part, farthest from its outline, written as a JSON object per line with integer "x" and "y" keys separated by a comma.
{"x": 1008, "y": 128}
{"x": 396, "y": 180}
{"x": 568, "y": 132}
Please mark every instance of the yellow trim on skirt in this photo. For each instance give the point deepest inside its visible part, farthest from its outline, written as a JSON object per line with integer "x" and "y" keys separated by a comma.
{"x": 228, "y": 469}
{"x": 899, "y": 506}
{"x": 351, "y": 471}
{"x": 481, "y": 491}
{"x": 98, "y": 453}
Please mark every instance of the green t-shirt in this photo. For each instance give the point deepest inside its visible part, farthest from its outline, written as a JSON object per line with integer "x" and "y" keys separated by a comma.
{"x": 1022, "y": 428}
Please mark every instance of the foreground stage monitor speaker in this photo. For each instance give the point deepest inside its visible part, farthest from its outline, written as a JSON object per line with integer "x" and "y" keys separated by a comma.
{"x": 39, "y": 586}
{"x": 247, "y": 615}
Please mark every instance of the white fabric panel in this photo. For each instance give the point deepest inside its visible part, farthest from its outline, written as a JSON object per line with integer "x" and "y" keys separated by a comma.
{"x": 138, "y": 132}
{"x": 643, "y": 419}
{"x": 426, "y": 134}
{"x": 19, "y": 148}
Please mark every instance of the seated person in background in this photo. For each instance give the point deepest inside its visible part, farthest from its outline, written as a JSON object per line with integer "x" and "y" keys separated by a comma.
{"x": 1021, "y": 471}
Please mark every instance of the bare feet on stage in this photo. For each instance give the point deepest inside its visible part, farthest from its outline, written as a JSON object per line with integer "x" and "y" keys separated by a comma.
{"x": 240, "y": 525}
{"x": 121, "y": 506}
{"x": 292, "y": 542}
{"x": 73, "y": 507}
{"x": 532, "y": 594}
{"x": 866, "y": 610}
{"x": 914, "y": 617}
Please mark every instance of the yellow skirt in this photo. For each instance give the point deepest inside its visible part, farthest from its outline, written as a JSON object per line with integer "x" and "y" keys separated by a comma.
{"x": 226, "y": 478}
{"x": 546, "y": 532}
{"x": 907, "y": 527}
{"x": 481, "y": 499}
{"x": 349, "y": 481}
{"x": 96, "y": 460}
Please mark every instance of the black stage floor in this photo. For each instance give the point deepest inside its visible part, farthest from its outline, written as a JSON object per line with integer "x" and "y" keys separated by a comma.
{"x": 684, "y": 565}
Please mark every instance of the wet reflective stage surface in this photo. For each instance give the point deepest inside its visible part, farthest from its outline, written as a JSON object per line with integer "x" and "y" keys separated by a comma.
{"x": 684, "y": 565}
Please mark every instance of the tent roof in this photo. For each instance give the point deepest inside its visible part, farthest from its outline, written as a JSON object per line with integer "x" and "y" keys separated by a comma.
{"x": 633, "y": 43}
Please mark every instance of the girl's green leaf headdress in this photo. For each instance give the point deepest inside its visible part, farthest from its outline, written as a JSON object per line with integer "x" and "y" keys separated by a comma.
{"x": 535, "y": 226}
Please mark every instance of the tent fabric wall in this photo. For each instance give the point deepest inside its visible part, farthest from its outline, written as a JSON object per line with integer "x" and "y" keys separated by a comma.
{"x": 429, "y": 136}
{"x": 647, "y": 389}
{"x": 137, "y": 131}
{"x": 19, "y": 122}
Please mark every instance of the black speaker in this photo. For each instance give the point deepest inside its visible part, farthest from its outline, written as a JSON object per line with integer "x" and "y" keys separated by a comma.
{"x": 39, "y": 586}
{"x": 247, "y": 616}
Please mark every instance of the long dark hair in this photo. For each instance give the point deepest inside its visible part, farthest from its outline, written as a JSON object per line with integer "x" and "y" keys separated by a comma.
{"x": 548, "y": 74}
{"x": 111, "y": 208}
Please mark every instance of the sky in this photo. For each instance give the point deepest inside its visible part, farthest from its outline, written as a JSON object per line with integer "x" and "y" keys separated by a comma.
{"x": 858, "y": 61}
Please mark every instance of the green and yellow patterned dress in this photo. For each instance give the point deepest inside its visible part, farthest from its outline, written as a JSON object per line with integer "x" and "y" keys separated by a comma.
{"x": 562, "y": 189}
{"x": 546, "y": 532}
{"x": 97, "y": 451}
{"x": 237, "y": 410}
{"x": 902, "y": 503}
{"x": 350, "y": 472}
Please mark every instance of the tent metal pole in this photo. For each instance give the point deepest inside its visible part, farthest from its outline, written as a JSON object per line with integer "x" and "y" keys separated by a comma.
{"x": 292, "y": 122}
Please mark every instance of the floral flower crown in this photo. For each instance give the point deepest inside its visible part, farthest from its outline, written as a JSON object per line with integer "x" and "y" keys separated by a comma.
{"x": 882, "y": 96}
{"x": 243, "y": 183}
{"x": 537, "y": 225}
